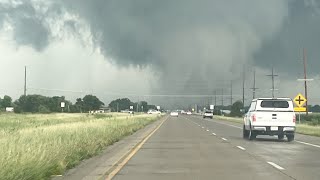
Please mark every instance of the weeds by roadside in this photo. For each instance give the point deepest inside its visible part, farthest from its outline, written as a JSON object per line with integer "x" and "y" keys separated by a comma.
{"x": 47, "y": 145}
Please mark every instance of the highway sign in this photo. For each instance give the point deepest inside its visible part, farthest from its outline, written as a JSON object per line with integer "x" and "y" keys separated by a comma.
{"x": 211, "y": 107}
{"x": 300, "y": 109}
{"x": 131, "y": 107}
{"x": 63, "y": 104}
{"x": 158, "y": 107}
{"x": 300, "y": 100}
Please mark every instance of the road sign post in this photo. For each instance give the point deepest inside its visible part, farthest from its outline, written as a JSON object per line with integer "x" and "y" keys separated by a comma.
{"x": 62, "y": 104}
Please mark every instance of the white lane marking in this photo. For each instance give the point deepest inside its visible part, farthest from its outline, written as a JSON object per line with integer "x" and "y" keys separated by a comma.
{"x": 202, "y": 127}
{"x": 275, "y": 165}
{"x": 314, "y": 145}
{"x": 242, "y": 148}
{"x": 198, "y": 124}
{"x": 301, "y": 142}
{"x": 214, "y": 134}
{"x": 207, "y": 129}
{"x": 224, "y": 139}
{"x": 224, "y": 124}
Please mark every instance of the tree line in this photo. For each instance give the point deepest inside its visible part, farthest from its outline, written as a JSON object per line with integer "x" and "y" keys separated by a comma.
{"x": 42, "y": 104}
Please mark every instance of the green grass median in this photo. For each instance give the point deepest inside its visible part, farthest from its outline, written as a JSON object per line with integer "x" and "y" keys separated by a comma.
{"x": 39, "y": 146}
{"x": 304, "y": 128}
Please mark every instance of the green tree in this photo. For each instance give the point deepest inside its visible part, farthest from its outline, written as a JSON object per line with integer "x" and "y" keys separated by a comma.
{"x": 31, "y": 103}
{"x": 6, "y": 101}
{"x": 79, "y": 105}
{"x": 120, "y": 104}
{"x": 91, "y": 102}
{"x": 152, "y": 107}
{"x": 236, "y": 109}
{"x": 54, "y": 103}
{"x": 143, "y": 106}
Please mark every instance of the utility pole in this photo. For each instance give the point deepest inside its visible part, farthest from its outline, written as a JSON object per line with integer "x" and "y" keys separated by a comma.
{"x": 272, "y": 77}
{"x": 305, "y": 78}
{"x": 254, "y": 85}
{"x": 231, "y": 98}
{"x": 222, "y": 97}
{"x": 138, "y": 105}
{"x": 117, "y": 107}
{"x": 243, "y": 83}
{"x": 215, "y": 97}
{"x": 25, "y": 81}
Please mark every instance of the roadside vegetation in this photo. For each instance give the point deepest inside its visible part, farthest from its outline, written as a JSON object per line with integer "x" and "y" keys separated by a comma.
{"x": 39, "y": 146}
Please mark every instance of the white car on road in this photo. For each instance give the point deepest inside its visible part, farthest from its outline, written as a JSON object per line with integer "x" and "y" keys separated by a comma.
{"x": 189, "y": 113}
{"x": 152, "y": 111}
{"x": 269, "y": 116}
{"x": 208, "y": 114}
{"x": 174, "y": 114}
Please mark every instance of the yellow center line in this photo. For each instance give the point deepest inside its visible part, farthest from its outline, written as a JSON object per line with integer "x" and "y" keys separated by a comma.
{"x": 135, "y": 150}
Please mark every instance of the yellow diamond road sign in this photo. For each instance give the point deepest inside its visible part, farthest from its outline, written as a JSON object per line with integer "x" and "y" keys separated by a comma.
{"x": 300, "y": 100}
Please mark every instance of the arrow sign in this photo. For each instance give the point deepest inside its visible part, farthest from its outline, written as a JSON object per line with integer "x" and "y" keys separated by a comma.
{"x": 300, "y": 100}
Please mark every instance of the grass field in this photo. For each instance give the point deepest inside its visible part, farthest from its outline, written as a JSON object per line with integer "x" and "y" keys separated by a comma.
{"x": 304, "y": 128}
{"x": 38, "y": 146}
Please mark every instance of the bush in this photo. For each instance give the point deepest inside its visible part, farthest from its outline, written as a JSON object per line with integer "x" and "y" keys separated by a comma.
{"x": 236, "y": 109}
{"x": 43, "y": 109}
{"x": 17, "y": 109}
{"x": 101, "y": 116}
{"x": 311, "y": 119}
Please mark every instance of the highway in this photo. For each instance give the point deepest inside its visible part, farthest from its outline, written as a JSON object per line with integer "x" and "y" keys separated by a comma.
{"x": 189, "y": 147}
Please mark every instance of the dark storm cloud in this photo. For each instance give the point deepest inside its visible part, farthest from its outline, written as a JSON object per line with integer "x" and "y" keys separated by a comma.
{"x": 300, "y": 30}
{"x": 193, "y": 44}
{"x": 29, "y": 28}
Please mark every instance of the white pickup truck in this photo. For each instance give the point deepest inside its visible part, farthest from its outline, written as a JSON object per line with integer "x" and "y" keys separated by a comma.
{"x": 270, "y": 116}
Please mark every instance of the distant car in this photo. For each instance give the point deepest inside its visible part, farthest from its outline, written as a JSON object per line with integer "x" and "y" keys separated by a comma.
{"x": 174, "y": 114}
{"x": 208, "y": 114}
{"x": 189, "y": 113}
{"x": 152, "y": 111}
{"x": 183, "y": 112}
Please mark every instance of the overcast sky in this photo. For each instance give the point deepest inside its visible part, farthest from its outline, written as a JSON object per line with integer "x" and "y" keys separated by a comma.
{"x": 118, "y": 48}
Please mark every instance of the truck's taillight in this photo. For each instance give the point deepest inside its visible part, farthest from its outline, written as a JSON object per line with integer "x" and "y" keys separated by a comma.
{"x": 294, "y": 118}
{"x": 254, "y": 118}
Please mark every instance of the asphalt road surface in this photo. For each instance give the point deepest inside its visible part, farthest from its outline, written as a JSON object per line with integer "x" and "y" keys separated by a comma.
{"x": 189, "y": 147}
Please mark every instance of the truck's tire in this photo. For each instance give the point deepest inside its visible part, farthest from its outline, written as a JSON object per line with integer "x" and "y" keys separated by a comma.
{"x": 252, "y": 134}
{"x": 245, "y": 132}
{"x": 290, "y": 137}
{"x": 280, "y": 136}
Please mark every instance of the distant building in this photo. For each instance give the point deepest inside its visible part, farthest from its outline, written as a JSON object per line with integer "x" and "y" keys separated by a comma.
{"x": 101, "y": 110}
{"x": 9, "y": 109}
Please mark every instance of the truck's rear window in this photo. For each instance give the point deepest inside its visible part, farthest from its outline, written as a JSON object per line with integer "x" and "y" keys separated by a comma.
{"x": 274, "y": 104}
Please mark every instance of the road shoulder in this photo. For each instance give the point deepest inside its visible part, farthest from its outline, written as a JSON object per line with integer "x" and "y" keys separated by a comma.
{"x": 97, "y": 166}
